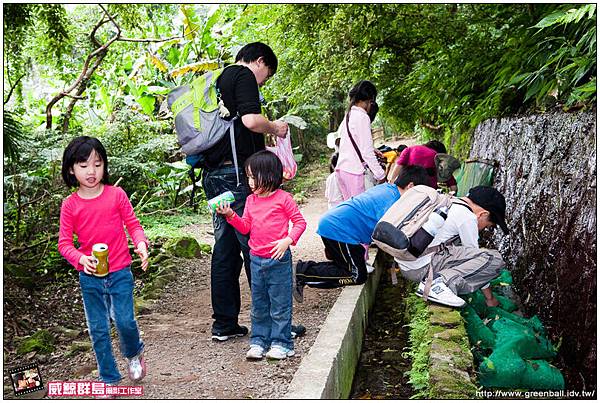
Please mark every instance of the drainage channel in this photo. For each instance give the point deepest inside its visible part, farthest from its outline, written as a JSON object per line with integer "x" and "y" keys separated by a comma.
{"x": 380, "y": 372}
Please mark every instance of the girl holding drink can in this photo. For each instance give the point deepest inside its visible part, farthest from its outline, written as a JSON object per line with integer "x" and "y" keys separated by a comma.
{"x": 96, "y": 213}
{"x": 267, "y": 215}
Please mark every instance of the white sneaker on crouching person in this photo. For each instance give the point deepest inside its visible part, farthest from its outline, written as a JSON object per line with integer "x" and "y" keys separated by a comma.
{"x": 277, "y": 352}
{"x": 441, "y": 294}
{"x": 256, "y": 352}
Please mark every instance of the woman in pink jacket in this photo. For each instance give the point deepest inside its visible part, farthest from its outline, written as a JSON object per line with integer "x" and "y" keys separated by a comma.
{"x": 357, "y": 153}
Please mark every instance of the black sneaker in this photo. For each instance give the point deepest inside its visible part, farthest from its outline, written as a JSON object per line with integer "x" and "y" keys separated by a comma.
{"x": 298, "y": 331}
{"x": 298, "y": 292}
{"x": 239, "y": 331}
{"x": 298, "y": 286}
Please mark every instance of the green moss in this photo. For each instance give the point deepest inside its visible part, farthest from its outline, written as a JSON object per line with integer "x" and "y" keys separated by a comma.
{"x": 172, "y": 226}
{"x": 78, "y": 346}
{"x": 159, "y": 259}
{"x": 141, "y": 306}
{"x": 41, "y": 341}
{"x": 205, "y": 248}
{"x": 450, "y": 334}
{"x": 449, "y": 382}
{"x": 152, "y": 294}
{"x": 439, "y": 351}
{"x": 454, "y": 352}
{"x": 435, "y": 329}
{"x": 185, "y": 246}
{"x": 444, "y": 316}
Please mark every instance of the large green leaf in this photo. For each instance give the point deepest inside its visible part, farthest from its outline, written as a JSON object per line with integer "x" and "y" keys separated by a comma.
{"x": 147, "y": 103}
{"x": 13, "y": 135}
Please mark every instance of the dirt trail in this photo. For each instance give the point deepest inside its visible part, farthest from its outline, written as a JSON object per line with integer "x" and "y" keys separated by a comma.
{"x": 182, "y": 360}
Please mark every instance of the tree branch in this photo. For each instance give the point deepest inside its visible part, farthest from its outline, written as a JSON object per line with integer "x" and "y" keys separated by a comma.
{"x": 96, "y": 28}
{"x": 82, "y": 81}
{"x": 72, "y": 96}
{"x": 432, "y": 127}
{"x": 12, "y": 88}
{"x": 82, "y": 87}
{"x": 122, "y": 39}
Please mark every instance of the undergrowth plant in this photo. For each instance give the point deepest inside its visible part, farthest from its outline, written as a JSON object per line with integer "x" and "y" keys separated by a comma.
{"x": 419, "y": 344}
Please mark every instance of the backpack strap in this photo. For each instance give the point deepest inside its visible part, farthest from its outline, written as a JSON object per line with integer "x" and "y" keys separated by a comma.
{"x": 233, "y": 151}
{"x": 460, "y": 202}
{"x": 362, "y": 161}
{"x": 428, "y": 282}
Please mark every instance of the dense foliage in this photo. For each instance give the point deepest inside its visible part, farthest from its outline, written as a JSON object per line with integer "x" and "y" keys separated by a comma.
{"x": 105, "y": 71}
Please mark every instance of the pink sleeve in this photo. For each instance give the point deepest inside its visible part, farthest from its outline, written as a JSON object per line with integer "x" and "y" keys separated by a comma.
{"x": 404, "y": 157}
{"x": 365, "y": 144}
{"x": 242, "y": 224}
{"x": 65, "y": 236}
{"x": 134, "y": 228}
{"x": 298, "y": 221}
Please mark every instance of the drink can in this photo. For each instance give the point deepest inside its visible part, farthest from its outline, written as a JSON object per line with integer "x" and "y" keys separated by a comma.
{"x": 214, "y": 202}
{"x": 100, "y": 252}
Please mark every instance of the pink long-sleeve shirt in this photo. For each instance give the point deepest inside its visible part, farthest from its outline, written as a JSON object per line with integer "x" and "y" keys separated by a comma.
{"x": 422, "y": 156}
{"x": 99, "y": 220}
{"x": 268, "y": 219}
{"x": 360, "y": 127}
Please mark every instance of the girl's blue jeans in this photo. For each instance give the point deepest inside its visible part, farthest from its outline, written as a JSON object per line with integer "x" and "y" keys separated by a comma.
{"x": 271, "y": 301}
{"x": 104, "y": 298}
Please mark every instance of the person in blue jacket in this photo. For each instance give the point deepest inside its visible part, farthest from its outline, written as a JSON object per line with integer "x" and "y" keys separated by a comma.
{"x": 346, "y": 228}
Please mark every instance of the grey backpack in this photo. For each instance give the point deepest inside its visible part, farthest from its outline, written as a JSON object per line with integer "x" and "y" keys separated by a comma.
{"x": 199, "y": 116}
{"x": 401, "y": 223}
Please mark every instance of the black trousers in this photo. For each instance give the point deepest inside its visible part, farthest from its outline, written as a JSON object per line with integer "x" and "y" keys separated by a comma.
{"x": 347, "y": 266}
{"x": 230, "y": 246}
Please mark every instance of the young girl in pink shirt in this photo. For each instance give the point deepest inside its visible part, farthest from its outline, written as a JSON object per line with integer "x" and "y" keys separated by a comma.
{"x": 266, "y": 217}
{"x": 96, "y": 213}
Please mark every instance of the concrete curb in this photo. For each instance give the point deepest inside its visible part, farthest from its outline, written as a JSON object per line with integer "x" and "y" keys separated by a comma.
{"x": 327, "y": 371}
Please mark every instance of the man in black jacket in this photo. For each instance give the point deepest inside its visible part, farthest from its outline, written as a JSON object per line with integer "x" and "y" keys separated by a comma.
{"x": 255, "y": 63}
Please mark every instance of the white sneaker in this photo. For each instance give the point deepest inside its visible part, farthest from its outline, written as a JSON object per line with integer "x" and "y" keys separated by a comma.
{"x": 441, "y": 294}
{"x": 256, "y": 352}
{"x": 370, "y": 269}
{"x": 137, "y": 367}
{"x": 279, "y": 353}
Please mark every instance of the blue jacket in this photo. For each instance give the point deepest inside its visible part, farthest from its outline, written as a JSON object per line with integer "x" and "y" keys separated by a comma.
{"x": 354, "y": 220}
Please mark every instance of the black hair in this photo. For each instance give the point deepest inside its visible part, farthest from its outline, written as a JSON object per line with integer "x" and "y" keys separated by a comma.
{"x": 255, "y": 50}
{"x": 437, "y": 146}
{"x": 363, "y": 91}
{"x": 373, "y": 111}
{"x": 79, "y": 150}
{"x": 401, "y": 148}
{"x": 333, "y": 162}
{"x": 267, "y": 170}
{"x": 412, "y": 173}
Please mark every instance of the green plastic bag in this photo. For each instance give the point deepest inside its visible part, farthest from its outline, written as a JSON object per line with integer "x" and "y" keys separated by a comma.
{"x": 474, "y": 172}
{"x": 511, "y": 349}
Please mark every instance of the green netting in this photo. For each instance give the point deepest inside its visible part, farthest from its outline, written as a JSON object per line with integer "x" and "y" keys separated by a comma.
{"x": 505, "y": 278}
{"x": 512, "y": 349}
{"x": 472, "y": 173}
